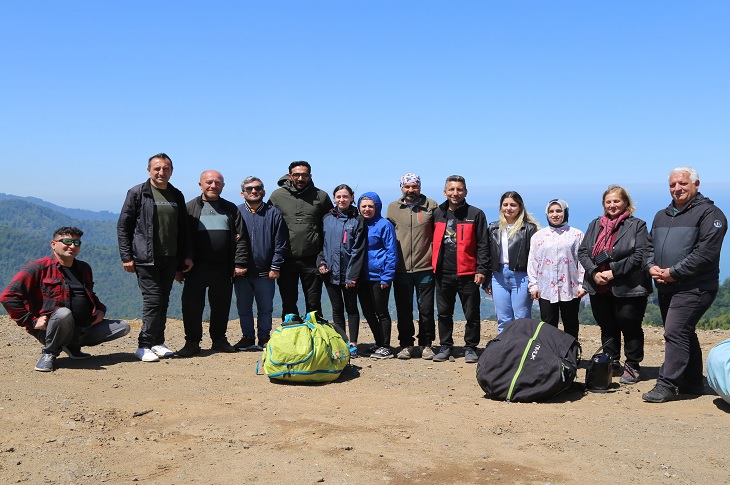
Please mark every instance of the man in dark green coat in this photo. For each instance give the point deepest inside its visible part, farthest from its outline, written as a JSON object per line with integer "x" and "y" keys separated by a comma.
{"x": 303, "y": 206}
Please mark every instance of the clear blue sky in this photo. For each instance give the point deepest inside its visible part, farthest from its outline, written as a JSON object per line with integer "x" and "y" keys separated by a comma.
{"x": 534, "y": 96}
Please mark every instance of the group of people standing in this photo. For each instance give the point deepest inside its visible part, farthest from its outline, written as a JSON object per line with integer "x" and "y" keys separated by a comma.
{"x": 615, "y": 262}
{"x": 299, "y": 238}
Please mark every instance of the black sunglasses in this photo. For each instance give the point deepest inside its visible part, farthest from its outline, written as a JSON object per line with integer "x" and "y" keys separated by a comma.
{"x": 257, "y": 188}
{"x": 68, "y": 241}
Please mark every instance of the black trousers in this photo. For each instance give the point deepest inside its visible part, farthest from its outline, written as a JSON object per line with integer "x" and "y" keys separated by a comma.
{"x": 404, "y": 285}
{"x": 551, "y": 313}
{"x": 217, "y": 280}
{"x": 682, "y": 367}
{"x": 344, "y": 300}
{"x": 305, "y": 270}
{"x": 621, "y": 316}
{"x": 155, "y": 282}
{"x": 374, "y": 304}
{"x": 447, "y": 287}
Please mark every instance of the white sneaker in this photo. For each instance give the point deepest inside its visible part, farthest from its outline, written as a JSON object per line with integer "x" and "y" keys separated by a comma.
{"x": 146, "y": 355}
{"x": 162, "y": 351}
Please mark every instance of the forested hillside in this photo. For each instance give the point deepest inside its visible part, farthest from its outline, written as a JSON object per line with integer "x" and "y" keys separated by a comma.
{"x": 80, "y": 214}
{"x": 26, "y": 228}
{"x": 717, "y": 317}
{"x": 25, "y": 232}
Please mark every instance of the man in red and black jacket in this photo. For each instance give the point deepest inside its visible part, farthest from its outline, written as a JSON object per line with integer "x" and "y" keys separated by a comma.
{"x": 460, "y": 260}
{"x": 53, "y": 298}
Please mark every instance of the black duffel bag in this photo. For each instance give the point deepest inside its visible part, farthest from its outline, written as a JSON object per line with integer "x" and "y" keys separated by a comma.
{"x": 529, "y": 361}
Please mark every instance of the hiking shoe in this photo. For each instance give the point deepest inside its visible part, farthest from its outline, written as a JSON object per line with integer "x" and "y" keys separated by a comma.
{"x": 162, "y": 351}
{"x": 45, "y": 363}
{"x": 470, "y": 355}
{"x": 382, "y": 353}
{"x": 405, "y": 353}
{"x": 443, "y": 354}
{"x": 616, "y": 368}
{"x": 75, "y": 352}
{"x": 189, "y": 349}
{"x": 630, "y": 375}
{"x": 695, "y": 390}
{"x": 263, "y": 341}
{"x": 660, "y": 394}
{"x": 246, "y": 343}
{"x": 222, "y": 345}
{"x": 353, "y": 350}
{"x": 427, "y": 353}
{"x": 146, "y": 355}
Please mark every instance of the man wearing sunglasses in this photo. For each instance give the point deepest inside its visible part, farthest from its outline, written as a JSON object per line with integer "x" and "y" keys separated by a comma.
{"x": 53, "y": 298}
{"x": 303, "y": 206}
{"x": 269, "y": 242}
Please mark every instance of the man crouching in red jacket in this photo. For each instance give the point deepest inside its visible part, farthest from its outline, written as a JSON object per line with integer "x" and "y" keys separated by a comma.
{"x": 53, "y": 298}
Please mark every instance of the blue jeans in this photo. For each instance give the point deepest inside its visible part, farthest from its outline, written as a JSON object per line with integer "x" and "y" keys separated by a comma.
{"x": 511, "y": 298}
{"x": 247, "y": 289}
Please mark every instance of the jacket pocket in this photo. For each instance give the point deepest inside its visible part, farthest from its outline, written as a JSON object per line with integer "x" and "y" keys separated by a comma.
{"x": 52, "y": 288}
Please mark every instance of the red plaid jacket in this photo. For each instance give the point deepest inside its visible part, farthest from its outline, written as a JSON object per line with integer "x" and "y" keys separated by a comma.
{"x": 40, "y": 289}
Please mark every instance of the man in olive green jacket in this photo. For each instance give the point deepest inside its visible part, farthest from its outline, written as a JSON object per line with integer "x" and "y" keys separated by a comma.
{"x": 412, "y": 216}
{"x": 303, "y": 206}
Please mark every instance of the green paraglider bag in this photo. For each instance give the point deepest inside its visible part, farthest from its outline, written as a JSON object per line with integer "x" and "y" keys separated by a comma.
{"x": 304, "y": 351}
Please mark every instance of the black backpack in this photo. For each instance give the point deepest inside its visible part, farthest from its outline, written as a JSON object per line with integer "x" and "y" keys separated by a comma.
{"x": 529, "y": 361}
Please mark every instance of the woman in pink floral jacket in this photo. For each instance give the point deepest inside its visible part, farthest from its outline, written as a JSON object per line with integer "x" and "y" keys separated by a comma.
{"x": 554, "y": 272}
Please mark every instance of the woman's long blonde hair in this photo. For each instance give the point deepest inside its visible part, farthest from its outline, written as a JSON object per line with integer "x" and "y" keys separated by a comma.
{"x": 522, "y": 218}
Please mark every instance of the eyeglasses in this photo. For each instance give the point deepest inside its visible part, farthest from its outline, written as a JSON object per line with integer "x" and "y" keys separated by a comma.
{"x": 68, "y": 241}
{"x": 257, "y": 188}
{"x": 299, "y": 175}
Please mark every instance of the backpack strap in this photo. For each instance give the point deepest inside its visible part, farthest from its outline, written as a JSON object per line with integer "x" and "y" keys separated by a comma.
{"x": 522, "y": 361}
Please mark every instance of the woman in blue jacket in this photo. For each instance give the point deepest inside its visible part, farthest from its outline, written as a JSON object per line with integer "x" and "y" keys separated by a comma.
{"x": 377, "y": 272}
{"x": 341, "y": 260}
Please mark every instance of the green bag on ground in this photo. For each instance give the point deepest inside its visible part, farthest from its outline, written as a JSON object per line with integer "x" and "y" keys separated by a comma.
{"x": 305, "y": 351}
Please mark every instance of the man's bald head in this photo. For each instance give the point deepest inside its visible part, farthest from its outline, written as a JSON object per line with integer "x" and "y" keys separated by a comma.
{"x": 211, "y": 184}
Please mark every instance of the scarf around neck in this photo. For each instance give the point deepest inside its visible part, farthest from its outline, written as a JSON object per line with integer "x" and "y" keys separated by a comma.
{"x": 607, "y": 234}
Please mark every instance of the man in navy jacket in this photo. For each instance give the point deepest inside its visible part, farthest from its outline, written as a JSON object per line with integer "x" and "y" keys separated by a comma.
{"x": 269, "y": 239}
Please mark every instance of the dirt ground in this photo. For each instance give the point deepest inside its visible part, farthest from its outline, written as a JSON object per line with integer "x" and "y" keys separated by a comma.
{"x": 211, "y": 419}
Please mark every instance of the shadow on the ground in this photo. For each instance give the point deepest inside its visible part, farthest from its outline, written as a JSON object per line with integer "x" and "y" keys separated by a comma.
{"x": 722, "y": 405}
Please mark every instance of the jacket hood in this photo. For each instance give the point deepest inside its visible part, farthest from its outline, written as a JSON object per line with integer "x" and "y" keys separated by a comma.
{"x": 378, "y": 204}
{"x": 284, "y": 181}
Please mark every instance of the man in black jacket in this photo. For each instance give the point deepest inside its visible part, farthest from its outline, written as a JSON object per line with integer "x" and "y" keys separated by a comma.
{"x": 220, "y": 245}
{"x": 154, "y": 243}
{"x": 684, "y": 261}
